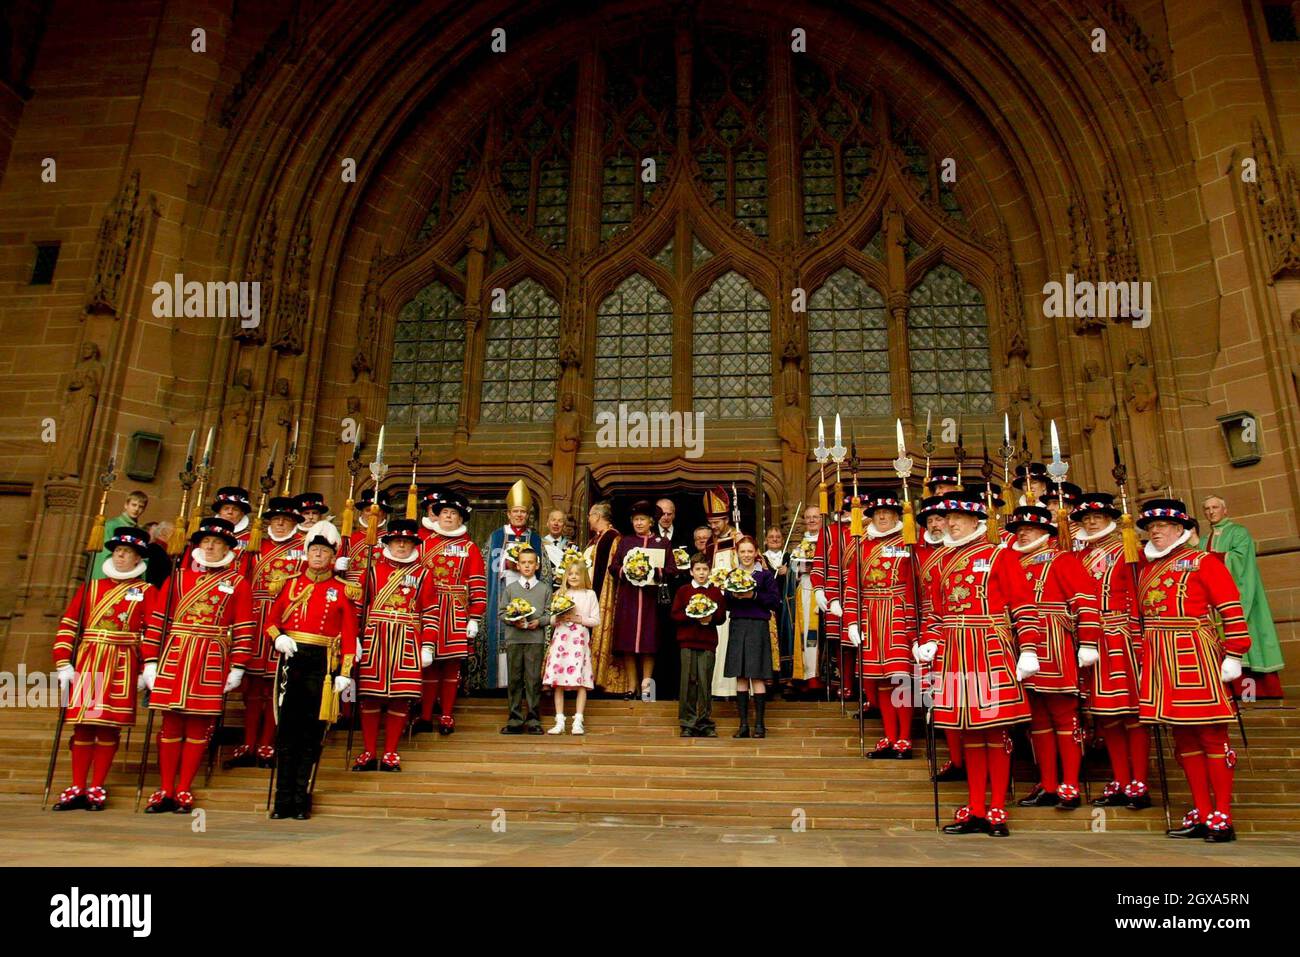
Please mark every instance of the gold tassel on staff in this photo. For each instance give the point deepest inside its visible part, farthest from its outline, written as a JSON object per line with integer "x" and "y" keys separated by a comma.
{"x": 350, "y": 506}
{"x": 96, "y": 540}
{"x": 1058, "y": 469}
{"x": 903, "y": 469}
{"x": 821, "y": 453}
{"x": 413, "y": 491}
{"x": 1127, "y": 531}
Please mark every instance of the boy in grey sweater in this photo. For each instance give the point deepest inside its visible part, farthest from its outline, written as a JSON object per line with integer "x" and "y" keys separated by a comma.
{"x": 525, "y": 642}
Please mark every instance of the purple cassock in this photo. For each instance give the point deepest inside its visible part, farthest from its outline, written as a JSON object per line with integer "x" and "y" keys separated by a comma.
{"x": 635, "y": 628}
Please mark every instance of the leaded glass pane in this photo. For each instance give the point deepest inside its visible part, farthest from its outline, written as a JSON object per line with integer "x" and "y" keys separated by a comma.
{"x": 428, "y": 355}
{"x": 536, "y": 154}
{"x": 634, "y": 348}
{"x": 638, "y": 109}
{"x": 700, "y": 253}
{"x": 947, "y": 333}
{"x": 521, "y": 368}
{"x": 665, "y": 256}
{"x": 732, "y": 344}
{"x": 836, "y": 143}
{"x": 848, "y": 341}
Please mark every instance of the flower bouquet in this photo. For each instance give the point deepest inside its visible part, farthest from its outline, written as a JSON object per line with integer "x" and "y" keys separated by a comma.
{"x": 561, "y": 603}
{"x": 571, "y": 556}
{"x": 636, "y": 568}
{"x": 718, "y": 577}
{"x": 700, "y": 606}
{"x": 681, "y": 558}
{"x": 513, "y": 550}
{"x": 518, "y": 610}
{"x": 806, "y": 550}
{"x": 740, "y": 583}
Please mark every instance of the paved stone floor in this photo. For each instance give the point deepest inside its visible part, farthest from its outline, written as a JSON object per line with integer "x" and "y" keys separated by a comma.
{"x": 29, "y": 836}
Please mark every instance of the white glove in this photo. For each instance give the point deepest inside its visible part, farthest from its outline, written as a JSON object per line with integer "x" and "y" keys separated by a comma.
{"x": 286, "y": 646}
{"x": 820, "y": 595}
{"x": 139, "y": 683}
{"x": 426, "y": 657}
{"x": 1027, "y": 666}
{"x": 233, "y": 679}
{"x": 342, "y": 683}
{"x": 65, "y": 674}
{"x": 341, "y": 563}
{"x": 471, "y": 629}
{"x": 1088, "y": 656}
{"x": 150, "y": 674}
{"x": 924, "y": 654}
{"x": 1231, "y": 670}
{"x": 855, "y": 636}
{"x": 836, "y": 610}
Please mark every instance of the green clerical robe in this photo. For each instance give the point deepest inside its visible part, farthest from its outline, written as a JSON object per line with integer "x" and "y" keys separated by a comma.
{"x": 111, "y": 526}
{"x": 1238, "y": 550}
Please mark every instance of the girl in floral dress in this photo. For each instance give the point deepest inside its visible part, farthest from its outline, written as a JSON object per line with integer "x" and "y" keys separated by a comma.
{"x": 568, "y": 662}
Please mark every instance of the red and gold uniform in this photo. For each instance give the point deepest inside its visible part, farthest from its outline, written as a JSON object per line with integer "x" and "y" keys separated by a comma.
{"x": 196, "y": 639}
{"x": 456, "y": 596}
{"x": 315, "y": 611}
{"x": 1183, "y": 659}
{"x": 880, "y": 604}
{"x": 1070, "y": 619}
{"x": 929, "y": 552}
{"x": 389, "y": 674}
{"x": 114, "y": 611}
{"x": 979, "y": 595}
{"x": 1111, "y": 685}
{"x": 273, "y": 564}
{"x": 828, "y": 579}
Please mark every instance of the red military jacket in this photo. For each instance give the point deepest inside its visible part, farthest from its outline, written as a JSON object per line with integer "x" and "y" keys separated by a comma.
{"x": 205, "y": 599}
{"x": 316, "y": 605}
{"x": 456, "y": 591}
{"x": 1190, "y": 583}
{"x": 927, "y": 556}
{"x": 828, "y": 569}
{"x": 398, "y": 593}
{"x": 981, "y": 579}
{"x": 274, "y": 564}
{"x": 118, "y": 611}
{"x": 1058, "y": 578}
{"x": 882, "y": 568}
{"x": 1103, "y": 560}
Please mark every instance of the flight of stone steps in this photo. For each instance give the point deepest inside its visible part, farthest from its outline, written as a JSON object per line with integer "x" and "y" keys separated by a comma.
{"x": 631, "y": 768}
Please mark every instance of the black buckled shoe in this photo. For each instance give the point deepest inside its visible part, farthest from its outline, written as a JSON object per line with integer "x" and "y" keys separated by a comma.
{"x": 1040, "y": 797}
{"x": 366, "y": 761}
{"x": 884, "y": 751}
{"x": 446, "y": 725}
{"x": 72, "y": 799}
{"x": 160, "y": 802}
{"x": 966, "y": 823}
{"x": 266, "y": 757}
{"x": 1111, "y": 796}
{"x": 1192, "y": 827}
{"x": 392, "y": 762}
{"x": 1218, "y": 828}
{"x": 902, "y": 750}
{"x": 184, "y": 802}
{"x": 998, "y": 823}
{"x": 422, "y": 726}
{"x": 244, "y": 757}
{"x": 951, "y": 772}
{"x": 1069, "y": 799}
{"x": 1137, "y": 796}
{"x": 280, "y": 813}
{"x": 96, "y": 798}
{"x": 687, "y": 733}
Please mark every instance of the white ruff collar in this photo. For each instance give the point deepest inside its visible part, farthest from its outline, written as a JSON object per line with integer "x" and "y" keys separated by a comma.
{"x": 197, "y": 555}
{"x": 930, "y": 539}
{"x": 1082, "y": 536}
{"x": 401, "y": 561}
{"x": 279, "y": 541}
{"x": 429, "y": 523}
{"x": 454, "y": 533}
{"x": 241, "y": 524}
{"x": 117, "y": 576}
{"x": 1033, "y": 546}
{"x": 1152, "y": 553}
{"x": 872, "y": 533}
{"x": 980, "y": 529}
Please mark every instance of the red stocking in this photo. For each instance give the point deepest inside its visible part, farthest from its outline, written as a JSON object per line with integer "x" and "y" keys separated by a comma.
{"x": 105, "y": 750}
{"x": 1139, "y": 748}
{"x": 83, "y": 749}
{"x": 977, "y": 771}
{"x": 878, "y": 694}
{"x": 1214, "y": 742}
{"x": 999, "y": 762}
{"x": 1191, "y": 756}
{"x": 1117, "y": 747}
{"x": 394, "y": 723}
{"x": 1065, "y": 713}
{"x": 955, "y": 755}
{"x": 197, "y": 730}
{"x": 450, "y": 684}
{"x": 170, "y": 738}
{"x": 255, "y": 690}
{"x": 429, "y": 691}
{"x": 370, "y": 712}
{"x": 900, "y": 696}
{"x": 1042, "y": 736}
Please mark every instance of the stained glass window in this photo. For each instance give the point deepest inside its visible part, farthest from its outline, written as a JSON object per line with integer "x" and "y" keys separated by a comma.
{"x": 634, "y": 348}
{"x": 732, "y": 342}
{"x": 520, "y": 367}
{"x": 665, "y": 256}
{"x": 637, "y": 107}
{"x": 848, "y": 348}
{"x": 876, "y": 247}
{"x": 453, "y": 186}
{"x": 700, "y": 253}
{"x": 836, "y": 143}
{"x": 428, "y": 355}
{"x": 729, "y": 126}
{"x": 948, "y": 342}
{"x": 536, "y": 158}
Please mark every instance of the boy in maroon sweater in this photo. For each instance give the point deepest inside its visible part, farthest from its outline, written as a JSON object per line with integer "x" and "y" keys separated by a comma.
{"x": 698, "y": 640}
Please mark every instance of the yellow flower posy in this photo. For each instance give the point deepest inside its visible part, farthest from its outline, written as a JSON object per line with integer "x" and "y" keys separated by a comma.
{"x": 518, "y": 609}
{"x": 700, "y": 606}
{"x": 636, "y": 567}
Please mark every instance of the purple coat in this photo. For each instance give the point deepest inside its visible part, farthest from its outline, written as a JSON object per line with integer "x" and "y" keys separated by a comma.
{"x": 636, "y": 617}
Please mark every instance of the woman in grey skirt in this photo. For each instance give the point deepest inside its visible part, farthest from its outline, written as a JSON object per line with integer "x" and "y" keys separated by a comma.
{"x": 749, "y": 648}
